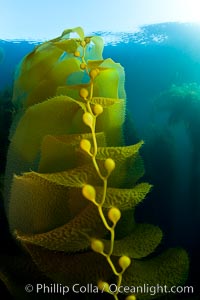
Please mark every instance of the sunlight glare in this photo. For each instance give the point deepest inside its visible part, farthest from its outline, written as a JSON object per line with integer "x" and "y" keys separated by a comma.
{"x": 191, "y": 11}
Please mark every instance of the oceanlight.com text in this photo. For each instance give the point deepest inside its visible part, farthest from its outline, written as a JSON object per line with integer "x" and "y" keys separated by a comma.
{"x": 151, "y": 289}
{"x": 57, "y": 288}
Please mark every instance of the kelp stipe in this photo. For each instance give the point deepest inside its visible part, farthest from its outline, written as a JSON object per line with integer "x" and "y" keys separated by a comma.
{"x": 73, "y": 211}
{"x": 89, "y": 118}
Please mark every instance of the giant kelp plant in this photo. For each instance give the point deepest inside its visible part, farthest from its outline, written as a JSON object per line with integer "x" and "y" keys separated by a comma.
{"x": 182, "y": 103}
{"x": 71, "y": 184}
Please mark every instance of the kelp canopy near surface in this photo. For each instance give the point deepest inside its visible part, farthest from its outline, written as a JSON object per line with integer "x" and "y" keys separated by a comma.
{"x": 71, "y": 184}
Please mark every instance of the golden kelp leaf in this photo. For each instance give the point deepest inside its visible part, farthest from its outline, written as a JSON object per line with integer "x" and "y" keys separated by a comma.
{"x": 71, "y": 237}
{"x": 122, "y": 230}
{"x": 72, "y": 90}
{"x": 169, "y": 268}
{"x": 95, "y": 52}
{"x": 142, "y": 242}
{"x": 109, "y": 63}
{"x": 76, "y": 177}
{"x": 129, "y": 166}
{"x": 106, "y": 84}
{"x": 135, "y": 172}
{"x": 56, "y": 156}
{"x": 93, "y": 64}
{"x": 69, "y": 269}
{"x": 32, "y": 70}
{"x": 69, "y": 46}
{"x": 57, "y": 116}
{"x": 88, "y": 174}
{"x": 113, "y": 116}
{"x": 37, "y": 205}
{"x": 58, "y": 153}
{"x": 78, "y": 30}
{"x": 106, "y": 102}
{"x": 41, "y": 73}
{"x": 55, "y": 77}
{"x": 118, "y": 153}
{"x": 124, "y": 198}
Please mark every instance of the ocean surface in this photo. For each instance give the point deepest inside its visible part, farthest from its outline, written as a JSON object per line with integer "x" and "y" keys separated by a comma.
{"x": 162, "y": 67}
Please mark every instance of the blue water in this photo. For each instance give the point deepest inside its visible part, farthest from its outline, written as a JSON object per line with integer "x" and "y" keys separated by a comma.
{"x": 154, "y": 58}
{"x": 11, "y": 52}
